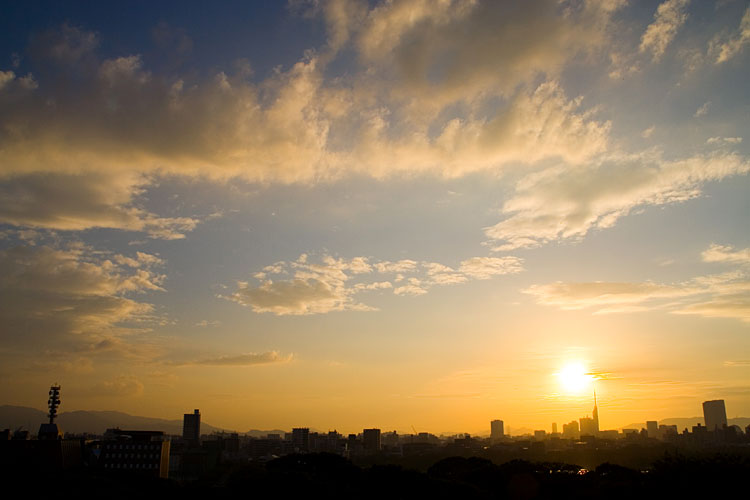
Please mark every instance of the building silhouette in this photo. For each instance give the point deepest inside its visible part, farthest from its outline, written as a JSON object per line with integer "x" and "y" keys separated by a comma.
{"x": 140, "y": 452}
{"x": 497, "y": 431}
{"x": 191, "y": 426}
{"x": 301, "y": 439}
{"x": 371, "y": 440}
{"x": 571, "y": 430}
{"x": 715, "y": 414}
{"x": 587, "y": 426}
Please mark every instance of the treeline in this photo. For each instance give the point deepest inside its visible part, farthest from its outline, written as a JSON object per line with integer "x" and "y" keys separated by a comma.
{"x": 331, "y": 476}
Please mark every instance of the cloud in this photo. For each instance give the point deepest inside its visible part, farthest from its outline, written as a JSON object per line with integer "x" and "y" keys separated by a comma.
{"x": 307, "y": 287}
{"x": 734, "y": 306}
{"x": 723, "y": 140}
{"x": 72, "y": 298}
{"x": 702, "y": 110}
{"x": 296, "y": 296}
{"x": 205, "y": 323}
{"x": 74, "y": 202}
{"x": 562, "y": 203}
{"x": 486, "y": 267}
{"x": 725, "y": 295}
{"x": 739, "y": 362}
{"x": 81, "y": 148}
{"x": 442, "y": 89}
{"x": 114, "y": 115}
{"x": 413, "y": 287}
{"x": 123, "y": 386}
{"x": 668, "y": 19}
{"x": 447, "y": 50}
{"x": 602, "y": 295}
{"x": 727, "y": 50}
{"x": 726, "y": 254}
{"x": 248, "y": 359}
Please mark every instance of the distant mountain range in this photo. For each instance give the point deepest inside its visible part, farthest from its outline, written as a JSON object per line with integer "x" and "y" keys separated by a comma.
{"x": 96, "y": 422}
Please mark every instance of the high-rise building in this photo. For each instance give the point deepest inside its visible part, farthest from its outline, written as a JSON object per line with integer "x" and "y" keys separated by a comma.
{"x": 301, "y": 439}
{"x": 588, "y": 426}
{"x": 144, "y": 452}
{"x": 570, "y": 430}
{"x": 497, "y": 431}
{"x": 554, "y": 427}
{"x": 715, "y": 414}
{"x": 191, "y": 426}
{"x": 652, "y": 427}
{"x": 371, "y": 439}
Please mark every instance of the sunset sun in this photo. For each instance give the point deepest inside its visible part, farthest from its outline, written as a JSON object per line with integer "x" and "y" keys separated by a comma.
{"x": 574, "y": 379}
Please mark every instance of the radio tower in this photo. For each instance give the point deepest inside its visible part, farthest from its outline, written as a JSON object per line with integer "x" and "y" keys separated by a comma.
{"x": 51, "y": 430}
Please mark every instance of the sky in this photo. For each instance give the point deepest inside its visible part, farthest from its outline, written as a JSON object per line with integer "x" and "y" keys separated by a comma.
{"x": 407, "y": 214}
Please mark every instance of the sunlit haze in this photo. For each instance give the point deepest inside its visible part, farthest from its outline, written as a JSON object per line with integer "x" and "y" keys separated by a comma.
{"x": 406, "y": 214}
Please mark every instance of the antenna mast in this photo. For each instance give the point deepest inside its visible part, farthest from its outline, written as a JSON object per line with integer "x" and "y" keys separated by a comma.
{"x": 53, "y": 402}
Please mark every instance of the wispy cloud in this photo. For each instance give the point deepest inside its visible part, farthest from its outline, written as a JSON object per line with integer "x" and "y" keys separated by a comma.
{"x": 727, "y": 254}
{"x": 247, "y": 359}
{"x": 306, "y": 287}
{"x": 123, "y": 386}
{"x": 729, "y": 48}
{"x": 725, "y": 295}
{"x": 566, "y": 203}
{"x": 702, "y": 110}
{"x": 668, "y": 19}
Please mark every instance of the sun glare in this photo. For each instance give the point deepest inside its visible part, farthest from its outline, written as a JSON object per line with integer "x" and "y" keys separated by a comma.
{"x": 574, "y": 379}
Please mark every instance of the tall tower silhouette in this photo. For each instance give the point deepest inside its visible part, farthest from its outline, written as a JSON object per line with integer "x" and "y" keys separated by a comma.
{"x": 596, "y": 414}
{"x": 51, "y": 430}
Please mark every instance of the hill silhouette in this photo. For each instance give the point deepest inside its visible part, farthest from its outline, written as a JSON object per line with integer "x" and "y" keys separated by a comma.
{"x": 95, "y": 422}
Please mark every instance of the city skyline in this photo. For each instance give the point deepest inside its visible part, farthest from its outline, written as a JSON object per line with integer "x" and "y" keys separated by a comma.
{"x": 713, "y": 419}
{"x": 377, "y": 214}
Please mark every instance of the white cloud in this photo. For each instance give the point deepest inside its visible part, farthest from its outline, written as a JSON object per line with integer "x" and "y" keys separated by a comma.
{"x": 720, "y": 141}
{"x": 726, "y": 254}
{"x": 307, "y": 287}
{"x": 205, "y": 323}
{"x": 668, "y": 19}
{"x": 486, "y": 267}
{"x": 411, "y": 288}
{"x": 702, "y": 110}
{"x": 400, "y": 266}
{"x": 725, "y": 295}
{"x": 562, "y": 202}
{"x": 730, "y": 48}
{"x": 602, "y": 294}
{"x": 298, "y": 296}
